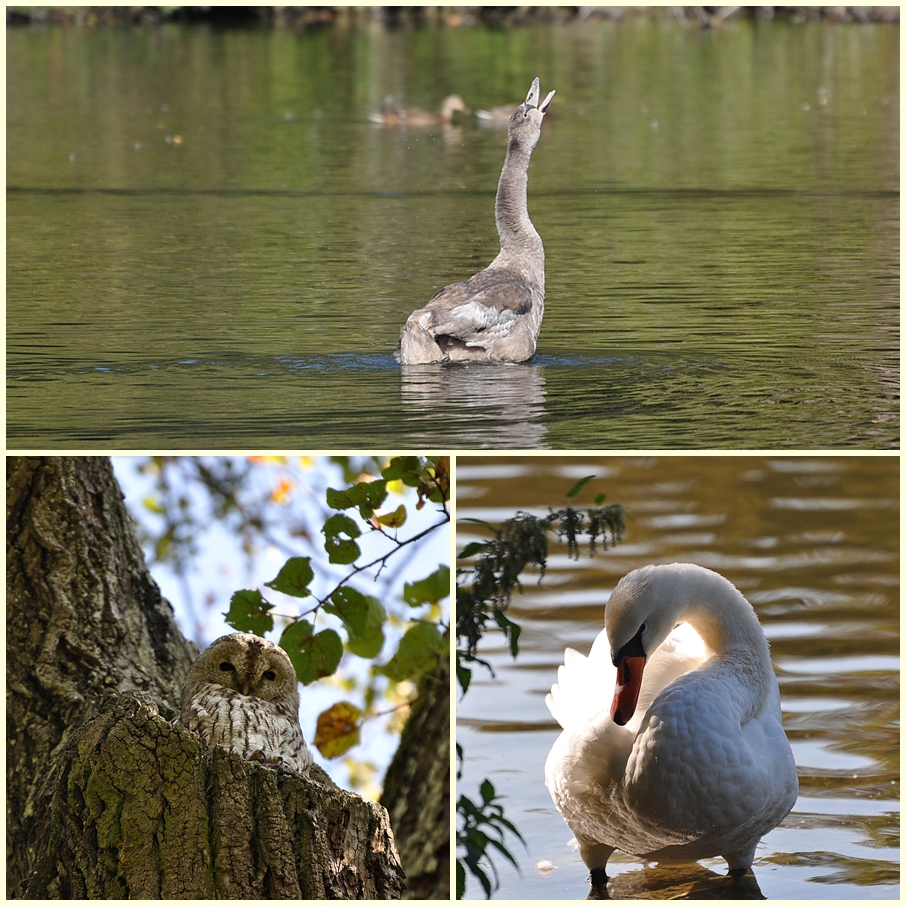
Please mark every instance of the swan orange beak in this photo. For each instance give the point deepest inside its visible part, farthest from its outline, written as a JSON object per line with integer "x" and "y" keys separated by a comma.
{"x": 626, "y": 695}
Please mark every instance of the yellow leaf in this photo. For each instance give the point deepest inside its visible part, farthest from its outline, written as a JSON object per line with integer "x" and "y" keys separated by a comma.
{"x": 338, "y": 729}
{"x": 283, "y": 491}
{"x": 394, "y": 519}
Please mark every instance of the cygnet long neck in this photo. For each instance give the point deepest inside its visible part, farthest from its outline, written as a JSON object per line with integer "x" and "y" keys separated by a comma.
{"x": 520, "y": 244}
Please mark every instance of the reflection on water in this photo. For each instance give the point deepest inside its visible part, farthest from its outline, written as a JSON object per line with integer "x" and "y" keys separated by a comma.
{"x": 497, "y": 407}
{"x": 728, "y": 277}
{"x": 813, "y": 543}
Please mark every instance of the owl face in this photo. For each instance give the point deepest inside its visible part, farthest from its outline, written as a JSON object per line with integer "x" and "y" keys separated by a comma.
{"x": 257, "y": 668}
{"x": 249, "y": 665}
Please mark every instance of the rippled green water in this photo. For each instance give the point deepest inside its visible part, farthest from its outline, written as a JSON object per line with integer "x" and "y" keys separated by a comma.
{"x": 208, "y": 243}
{"x": 813, "y": 543}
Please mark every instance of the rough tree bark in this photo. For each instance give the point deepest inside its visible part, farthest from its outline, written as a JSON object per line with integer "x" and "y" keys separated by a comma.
{"x": 417, "y": 790}
{"x": 105, "y": 799}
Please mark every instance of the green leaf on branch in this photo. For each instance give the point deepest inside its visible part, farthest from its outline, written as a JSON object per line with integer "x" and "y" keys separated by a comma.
{"x": 340, "y": 549}
{"x": 430, "y": 590}
{"x": 366, "y": 495}
{"x": 511, "y": 630}
{"x": 578, "y": 486}
{"x": 417, "y": 653}
{"x": 363, "y": 617}
{"x": 314, "y": 655}
{"x": 293, "y": 577}
{"x": 250, "y": 612}
{"x": 471, "y": 549}
{"x": 369, "y": 642}
{"x": 351, "y": 607}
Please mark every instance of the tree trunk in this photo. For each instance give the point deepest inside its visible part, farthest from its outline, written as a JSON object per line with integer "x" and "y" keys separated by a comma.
{"x": 105, "y": 799}
{"x": 417, "y": 790}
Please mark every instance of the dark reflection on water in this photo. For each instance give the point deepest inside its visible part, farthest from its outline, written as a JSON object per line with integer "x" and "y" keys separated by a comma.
{"x": 720, "y": 217}
{"x": 813, "y": 543}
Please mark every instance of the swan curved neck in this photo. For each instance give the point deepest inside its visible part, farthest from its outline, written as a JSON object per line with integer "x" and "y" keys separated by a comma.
{"x": 719, "y": 613}
{"x": 520, "y": 243}
{"x": 728, "y": 626}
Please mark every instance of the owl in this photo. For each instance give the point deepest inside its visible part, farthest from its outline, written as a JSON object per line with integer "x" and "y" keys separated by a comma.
{"x": 242, "y": 695}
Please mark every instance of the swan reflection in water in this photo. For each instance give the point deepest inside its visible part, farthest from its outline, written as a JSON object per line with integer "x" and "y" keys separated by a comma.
{"x": 689, "y": 881}
{"x": 497, "y": 408}
{"x": 689, "y": 760}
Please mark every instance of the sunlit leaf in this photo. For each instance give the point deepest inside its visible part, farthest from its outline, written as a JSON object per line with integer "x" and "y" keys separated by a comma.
{"x": 250, "y": 612}
{"x": 338, "y": 729}
{"x": 153, "y": 503}
{"x": 396, "y": 519}
{"x": 430, "y": 590}
{"x": 294, "y": 577}
{"x": 314, "y": 655}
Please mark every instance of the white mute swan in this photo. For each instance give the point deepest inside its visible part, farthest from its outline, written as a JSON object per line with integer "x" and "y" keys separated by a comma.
{"x": 496, "y": 315}
{"x": 689, "y": 759}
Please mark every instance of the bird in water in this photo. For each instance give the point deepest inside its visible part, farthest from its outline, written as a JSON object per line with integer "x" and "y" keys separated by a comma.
{"x": 496, "y": 315}
{"x": 690, "y": 759}
{"x": 393, "y": 117}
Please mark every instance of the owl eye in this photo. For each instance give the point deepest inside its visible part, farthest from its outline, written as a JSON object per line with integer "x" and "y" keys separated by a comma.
{"x": 269, "y": 675}
{"x": 226, "y": 666}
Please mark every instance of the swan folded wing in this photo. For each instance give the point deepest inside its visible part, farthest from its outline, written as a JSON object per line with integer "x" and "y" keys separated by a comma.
{"x": 494, "y": 300}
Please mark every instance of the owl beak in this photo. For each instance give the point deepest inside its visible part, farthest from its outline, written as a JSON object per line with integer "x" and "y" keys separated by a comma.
{"x": 245, "y": 687}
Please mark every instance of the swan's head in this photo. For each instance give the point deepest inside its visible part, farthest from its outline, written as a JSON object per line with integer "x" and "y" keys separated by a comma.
{"x": 525, "y": 123}
{"x": 642, "y": 611}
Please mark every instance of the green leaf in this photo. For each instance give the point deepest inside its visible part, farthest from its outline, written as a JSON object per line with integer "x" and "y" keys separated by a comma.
{"x": 417, "y": 653}
{"x": 460, "y": 880}
{"x": 578, "y": 486}
{"x": 463, "y": 675}
{"x": 249, "y": 612}
{"x": 471, "y": 549}
{"x": 366, "y": 495}
{"x": 363, "y": 617}
{"x": 369, "y": 642}
{"x": 430, "y": 590}
{"x": 293, "y": 577}
{"x": 487, "y": 791}
{"x": 511, "y": 630}
{"x": 314, "y": 655}
{"x": 341, "y": 549}
{"x": 351, "y": 607}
